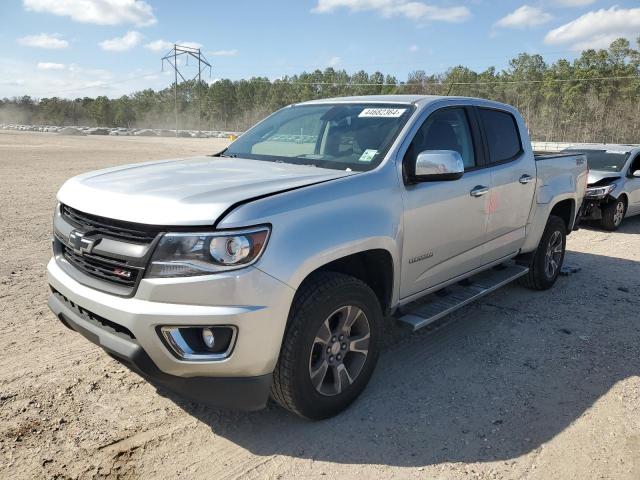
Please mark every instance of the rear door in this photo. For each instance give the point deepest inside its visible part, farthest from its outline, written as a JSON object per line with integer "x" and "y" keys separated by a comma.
{"x": 445, "y": 223}
{"x": 513, "y": 182}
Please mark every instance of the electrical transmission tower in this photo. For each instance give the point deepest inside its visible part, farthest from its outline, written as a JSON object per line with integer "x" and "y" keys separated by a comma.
{"x": 171, "y": 58}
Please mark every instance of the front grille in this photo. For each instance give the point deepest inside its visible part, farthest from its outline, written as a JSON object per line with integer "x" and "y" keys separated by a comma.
{"x": 119, "y": 263}
{"x": 114, "y": 271}
{"x": 117, "y": 229}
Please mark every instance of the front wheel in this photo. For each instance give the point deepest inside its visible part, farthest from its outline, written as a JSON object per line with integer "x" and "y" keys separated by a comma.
{"x": 545, "y": 263}
{"x": 330, "y": 346}
{"x": 613, "y": 214}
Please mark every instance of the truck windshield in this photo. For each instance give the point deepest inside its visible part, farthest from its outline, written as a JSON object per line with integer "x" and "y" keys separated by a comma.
{"x": 604, "y": 160}
{"x": 336, "y": 136}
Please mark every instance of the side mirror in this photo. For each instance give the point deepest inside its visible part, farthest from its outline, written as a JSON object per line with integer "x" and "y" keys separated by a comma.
{"x": 636, "y": 173}
{"x": 437, "y": 165}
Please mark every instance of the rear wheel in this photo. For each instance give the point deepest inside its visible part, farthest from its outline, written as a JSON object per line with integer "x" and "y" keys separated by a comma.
{"x": 613, "y": 214}
{"x": 330, "y": 347}
{"x": 545, "y": 263}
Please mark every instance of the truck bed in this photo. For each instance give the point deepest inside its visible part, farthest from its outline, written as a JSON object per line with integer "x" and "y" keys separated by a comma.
{"x": 539, "y": 156}
{"x": 560, "y": 174}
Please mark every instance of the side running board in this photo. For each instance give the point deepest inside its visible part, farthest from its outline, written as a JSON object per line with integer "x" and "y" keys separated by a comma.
{"x": 434, "y": 306}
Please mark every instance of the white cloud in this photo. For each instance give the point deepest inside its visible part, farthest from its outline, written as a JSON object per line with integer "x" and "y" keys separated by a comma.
{"x": 159, "y": 45}
{"x": 524, "y": 17}
{"x": 19, "y": 82}
{"x": 44, "y": 40}
{"x": 120, "y": 44}
{"x": 414, "y": 48}
{"x": 71, "y": 81}
{"x": 19, "y": 78}
{"x": 194, "y": 45}
{"x": 97, "y": 72}
{"x": 413, "y": 10}
{"x": 573, "y": 3}
{"x": 50, "y": 66}
{"x": 164, "y": 45}
{"x": 597, "y": 29}
{"x": 334, "y": 61}
{"x": 224, "y": 53}
{"x": 101, "y": 12}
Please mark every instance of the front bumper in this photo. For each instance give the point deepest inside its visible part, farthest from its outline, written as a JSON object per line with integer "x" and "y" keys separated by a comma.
{"x": 591, "y": 210}
{"x": 129, "y": 329}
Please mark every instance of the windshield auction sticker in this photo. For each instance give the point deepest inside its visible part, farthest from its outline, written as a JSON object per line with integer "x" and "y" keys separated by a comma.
{"x": 367, "y": 155}
{"x": 382, "y": 112}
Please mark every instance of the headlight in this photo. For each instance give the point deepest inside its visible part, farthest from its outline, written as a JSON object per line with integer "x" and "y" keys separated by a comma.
{"x": 600, "y": 192}
{"x": 185, "y": 254}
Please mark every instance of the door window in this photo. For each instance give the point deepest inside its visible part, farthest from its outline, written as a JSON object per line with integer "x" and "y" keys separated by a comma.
{"x": 635, "y": 165}
{"x": 446, "y": 129}
{"x": 503, "y": 137}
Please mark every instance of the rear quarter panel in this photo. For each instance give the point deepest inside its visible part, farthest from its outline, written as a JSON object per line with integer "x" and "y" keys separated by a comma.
{"x": 559, "y": 178}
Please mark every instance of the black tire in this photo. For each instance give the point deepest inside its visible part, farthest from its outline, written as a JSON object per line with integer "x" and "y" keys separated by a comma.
{"x": 612, "y": 214}
{"x": 539, "y": 277}
{"x": 316, "y": 301}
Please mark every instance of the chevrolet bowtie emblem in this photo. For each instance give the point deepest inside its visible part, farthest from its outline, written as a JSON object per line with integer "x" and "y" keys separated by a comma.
{"x": 122, "y": 273}
{"x": 79, "y": 243}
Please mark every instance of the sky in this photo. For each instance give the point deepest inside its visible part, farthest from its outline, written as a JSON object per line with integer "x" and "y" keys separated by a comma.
{"x": 77, "y": 48}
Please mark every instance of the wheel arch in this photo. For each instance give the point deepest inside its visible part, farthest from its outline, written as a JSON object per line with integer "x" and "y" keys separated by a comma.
{"x": 564, "y": 207}
{"x": 624, "y": 197}
{"x": 374, "y": 267}
{"x": 566, "y": 210}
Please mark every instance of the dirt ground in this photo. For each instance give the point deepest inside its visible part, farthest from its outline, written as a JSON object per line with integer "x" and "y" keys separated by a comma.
{"x": 520, "y": 385}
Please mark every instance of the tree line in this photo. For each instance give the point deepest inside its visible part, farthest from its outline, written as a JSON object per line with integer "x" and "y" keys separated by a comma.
{"x": 594, "y": 98}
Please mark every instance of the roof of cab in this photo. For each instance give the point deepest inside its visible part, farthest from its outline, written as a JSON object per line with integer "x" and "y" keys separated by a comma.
{"x": 405, "y": 99}
{"x": 418, "y": 100}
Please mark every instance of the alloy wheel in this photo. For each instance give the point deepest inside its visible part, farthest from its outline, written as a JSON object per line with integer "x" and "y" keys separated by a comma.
{"x": 618, "y": 215}
{"x": 339, "y": 350}
{"x": 553, "y": 255}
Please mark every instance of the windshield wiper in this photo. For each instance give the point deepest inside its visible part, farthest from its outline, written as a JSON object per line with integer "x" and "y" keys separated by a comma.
{"x": 292, "y": 163}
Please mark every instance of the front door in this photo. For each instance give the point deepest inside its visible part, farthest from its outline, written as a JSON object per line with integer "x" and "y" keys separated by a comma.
{"x": 444, "y": 222}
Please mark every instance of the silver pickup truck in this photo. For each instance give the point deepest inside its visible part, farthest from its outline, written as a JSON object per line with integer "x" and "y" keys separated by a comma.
{"x": 273, "y": 267}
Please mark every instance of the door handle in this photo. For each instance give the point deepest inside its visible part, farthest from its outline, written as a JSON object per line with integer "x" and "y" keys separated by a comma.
{"x": 524, "y": 179}
{"x": 479, "y": 191}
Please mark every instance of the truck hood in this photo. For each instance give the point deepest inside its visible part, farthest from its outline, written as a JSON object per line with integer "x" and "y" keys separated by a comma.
{"x": 602, "y": 177}
{"x": 193, "y": 191}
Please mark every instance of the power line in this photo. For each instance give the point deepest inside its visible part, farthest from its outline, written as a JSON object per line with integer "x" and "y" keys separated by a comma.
{"x": 496, "y": 82}
{"x": 430, "y": 59}
{"x": 173, "y": 54}
{"x": 371, "y": 84}
{"x": 551, "y": 80}
{"x": 310, "y": 66}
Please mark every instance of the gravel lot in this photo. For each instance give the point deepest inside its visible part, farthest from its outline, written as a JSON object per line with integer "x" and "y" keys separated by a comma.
{"x": 520, "y": 385}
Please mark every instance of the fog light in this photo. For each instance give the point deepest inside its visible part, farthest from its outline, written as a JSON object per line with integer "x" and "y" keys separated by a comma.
{"x": 198, "y": 343}
{"x": 208, "y": 338}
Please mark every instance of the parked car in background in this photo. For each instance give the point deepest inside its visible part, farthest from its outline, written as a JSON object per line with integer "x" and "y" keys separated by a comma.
{"x": 272, "y": 268}
{"x": 613, "y": 192}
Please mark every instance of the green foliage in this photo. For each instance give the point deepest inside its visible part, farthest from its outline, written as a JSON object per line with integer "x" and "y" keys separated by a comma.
{"x": 591, "y": 99}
